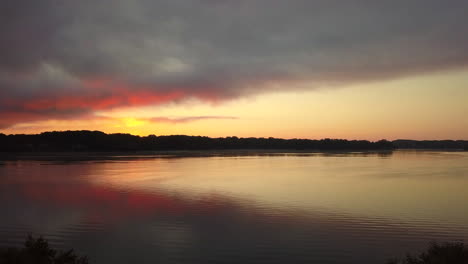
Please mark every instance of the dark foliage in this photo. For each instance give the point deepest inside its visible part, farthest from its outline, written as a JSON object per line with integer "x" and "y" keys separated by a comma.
{"x": 431, "y": 144}
{"x": 99, "y": 141}
{"x": 38, "y": 251}
{"x": 448, "y": 253}
{"x": 80, "y": 141}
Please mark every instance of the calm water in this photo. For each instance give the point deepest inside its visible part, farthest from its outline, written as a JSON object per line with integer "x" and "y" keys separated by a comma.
{"x": 282, "y": 208}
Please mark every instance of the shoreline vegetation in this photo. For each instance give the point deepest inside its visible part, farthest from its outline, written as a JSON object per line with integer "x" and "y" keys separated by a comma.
{"x": 444, "y": 253}
{"x": 38, "y": 251}
{"x": 96, "y": 141}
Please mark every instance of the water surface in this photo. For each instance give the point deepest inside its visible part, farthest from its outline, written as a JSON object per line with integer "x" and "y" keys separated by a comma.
{"x": 268, "y": 208}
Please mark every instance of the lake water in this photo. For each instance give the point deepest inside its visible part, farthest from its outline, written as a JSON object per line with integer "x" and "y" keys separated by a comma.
{"x": 250, "y": 208}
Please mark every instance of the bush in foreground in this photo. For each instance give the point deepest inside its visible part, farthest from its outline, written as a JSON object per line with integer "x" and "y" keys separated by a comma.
{"x": 38, "y": 251}
{"x": 447, "y": 253}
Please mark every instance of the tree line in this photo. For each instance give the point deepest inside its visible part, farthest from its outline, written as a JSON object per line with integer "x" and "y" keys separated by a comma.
{"x": 81, "y": 141}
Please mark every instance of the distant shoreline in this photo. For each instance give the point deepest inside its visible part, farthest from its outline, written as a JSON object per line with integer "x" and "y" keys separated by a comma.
{"x": 99, "y": 142}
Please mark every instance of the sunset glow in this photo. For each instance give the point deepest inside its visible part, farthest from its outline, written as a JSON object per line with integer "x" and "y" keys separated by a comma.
{"x": 215, "y": 72}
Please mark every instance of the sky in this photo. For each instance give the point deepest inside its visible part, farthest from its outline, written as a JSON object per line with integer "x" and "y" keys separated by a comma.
{"x": 355, "y": 69}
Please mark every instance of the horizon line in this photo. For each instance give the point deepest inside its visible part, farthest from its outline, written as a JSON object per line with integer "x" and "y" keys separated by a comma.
{"x": 264, "y": 137}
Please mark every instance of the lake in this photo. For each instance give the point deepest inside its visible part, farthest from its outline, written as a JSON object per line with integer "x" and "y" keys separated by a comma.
{"x": 237, "y": 208}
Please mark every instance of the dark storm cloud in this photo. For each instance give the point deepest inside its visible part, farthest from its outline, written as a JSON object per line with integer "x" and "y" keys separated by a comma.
{"x": 93, "y": 55}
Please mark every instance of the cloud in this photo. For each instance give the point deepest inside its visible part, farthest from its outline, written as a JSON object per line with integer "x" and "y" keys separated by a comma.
{"x": 10, "y": 118}
{"x": 186, "y": 119}
{"x": 66, "y": 57}
{"x": 35, "y": 121}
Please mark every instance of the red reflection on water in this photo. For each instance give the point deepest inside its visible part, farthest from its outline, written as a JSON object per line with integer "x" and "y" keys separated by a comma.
{"x": 119, "y": 203}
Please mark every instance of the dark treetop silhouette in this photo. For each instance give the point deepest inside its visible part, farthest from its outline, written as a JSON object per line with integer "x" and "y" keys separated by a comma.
{"x": 38, "y": 251}
{"x": 99, "y": 141}
{"x": 447, "y": 253}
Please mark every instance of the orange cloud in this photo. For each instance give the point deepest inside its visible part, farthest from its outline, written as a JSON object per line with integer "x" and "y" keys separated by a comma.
{"x": 95, "y": 95}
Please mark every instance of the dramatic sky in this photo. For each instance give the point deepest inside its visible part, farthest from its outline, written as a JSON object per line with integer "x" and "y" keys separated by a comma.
{"x": 357, "y": 69}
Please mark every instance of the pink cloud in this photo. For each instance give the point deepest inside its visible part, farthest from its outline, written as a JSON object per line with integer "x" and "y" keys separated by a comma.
{"x": 187, "y": 119}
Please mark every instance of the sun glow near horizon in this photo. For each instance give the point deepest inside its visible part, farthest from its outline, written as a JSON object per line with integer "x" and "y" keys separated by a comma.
{"x": 297, "y": 69}
{"x": 422, "y": 107}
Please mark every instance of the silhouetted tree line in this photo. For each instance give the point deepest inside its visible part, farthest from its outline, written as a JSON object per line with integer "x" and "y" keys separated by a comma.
{"x": 80, "y": 141}
{"x": 99, "y": 141}
{"x": 431, "y": 144}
